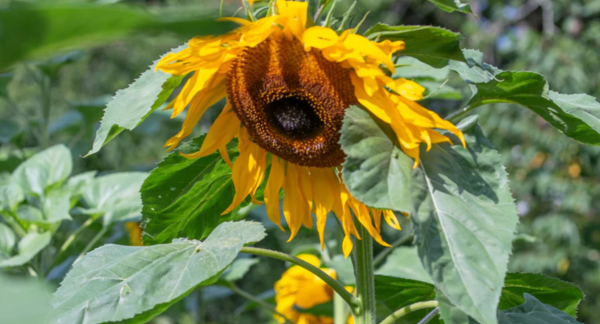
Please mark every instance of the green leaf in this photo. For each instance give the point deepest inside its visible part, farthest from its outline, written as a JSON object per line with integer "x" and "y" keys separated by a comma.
{"x": 77, "y": 184}
{"x": 56, "y": 205}
{"x": 46, "y": 28}
{"x": 343, "y": 268}
{"x": 23, "y": 299}
{"x": 116, "y": 196}
{"x": 30, "y": 214}
{"x": 46, "y": 168}
{"x": 115, "y": 283}
{"x": 51, "y": 67}
{"x": 577, "y": 116}
{"x": 473, "y": 69}
{"x": 431, "y": 45}
{"x": 534, "y": 312}
{"x": 132, "y": 105}
{"x": 7, "y": 240}
{"x": 10, "y": 196}
{"x": 29, "y": 246}
{"x": 323, "y": 309}
{"x": 395, "y": 293}
{"x": 238, "y": 269}
{"x": 557, "y": 293}
{"x": 5, "y": 79}
{"x": 464, "y": 217}
{"x": 185, "y": 198}
{"x": 452, "y": 5}
{"x": 375, "y": 171}
{"x": 91, "y": 110}
{"x": 404, "y": 262}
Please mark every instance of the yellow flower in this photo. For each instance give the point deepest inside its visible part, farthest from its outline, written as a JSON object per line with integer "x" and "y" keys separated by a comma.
{"x": 287, "y": 88}
{"x": 300, "y": 288}
{"x": 135, "y": 233}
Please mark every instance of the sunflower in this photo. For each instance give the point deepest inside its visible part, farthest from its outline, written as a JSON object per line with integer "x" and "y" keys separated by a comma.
{"x": 287, "y": 87}
{"x": 300, "y": 289}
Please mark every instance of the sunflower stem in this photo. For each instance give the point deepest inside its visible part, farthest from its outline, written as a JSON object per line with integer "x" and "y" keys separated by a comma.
{"x": 365, "y": 278}
{"x": 352, "y": 301}
{"x": 412, "y": 308}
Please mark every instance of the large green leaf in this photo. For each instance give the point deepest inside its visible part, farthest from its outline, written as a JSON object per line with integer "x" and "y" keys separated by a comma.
{"x": 431, "y": 45}
{"x": 115, "y": 283}
{"x": 29, "y": 246}
{"x": 185, "y": 198}
{"x": 464, "y": 217}
{"x": 45, "y": 28}
{"x": 534, "y": 312}
{"x": 452, "y": 5}
{"x": 132, "y": 105}
{"x": 54, "y": 208}
{"x": 116, "y": 196}
{"x": 46, "y": 168}
{"x": 404, "y": 262}
{"x": 375, "y": 170}
{"x": 560, "y": 294}
{"x": 577, "y": 115}
{"x": 7, "y": 241}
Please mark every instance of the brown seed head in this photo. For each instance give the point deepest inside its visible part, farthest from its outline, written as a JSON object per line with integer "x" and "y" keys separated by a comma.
{"x": 291, "y": 101}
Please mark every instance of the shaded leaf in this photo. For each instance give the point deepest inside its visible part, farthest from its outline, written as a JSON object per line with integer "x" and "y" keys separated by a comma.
{"x": 473, "y": 69}
{"x": 375, "y": 171}
{"x": 132, "y": 105}
{"x": 46, "y": 168}
{"x": 47, "y": 28}
{"x": 395, "y": 293}
{"x": 115, "y": 283}
{"x": 29, "y": 246}
{"x": 185, "y": 198}
{"x": 534, "y": 312}
{"x": 431, "y": 45}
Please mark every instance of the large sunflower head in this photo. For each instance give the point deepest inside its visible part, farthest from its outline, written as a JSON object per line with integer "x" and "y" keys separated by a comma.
{"x": 287, "y": 87}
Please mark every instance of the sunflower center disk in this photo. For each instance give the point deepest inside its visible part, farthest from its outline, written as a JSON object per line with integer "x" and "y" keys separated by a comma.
{"x": 294, "y": 118}
{"x": 291, "y": 101}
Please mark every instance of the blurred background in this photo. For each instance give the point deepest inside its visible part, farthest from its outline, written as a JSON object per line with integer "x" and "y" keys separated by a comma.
{"x": 554, "y": 179}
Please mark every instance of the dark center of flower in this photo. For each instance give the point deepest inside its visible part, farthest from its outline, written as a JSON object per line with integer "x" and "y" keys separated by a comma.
{"x": 292, "y": 102}
{"x": 294, "y": 118}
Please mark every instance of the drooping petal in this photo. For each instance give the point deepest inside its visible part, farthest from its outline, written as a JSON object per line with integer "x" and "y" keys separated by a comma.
{"x": 272, "y": 189}
{"x": 296, "y": 14}
{"x": 222, "y": 131}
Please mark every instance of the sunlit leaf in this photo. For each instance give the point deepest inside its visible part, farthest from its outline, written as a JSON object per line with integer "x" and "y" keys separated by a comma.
{"x": 431, "y": 45}
{"x": 404, "y": 262}
{"x": 560, "y": 294}
{"x": 46, "y": 168}
{"x": 115, "y": 283}
{"x": 452, "y": 5}
{"x": 116, "y": 196}
{"x": 464, "y": 220}
{"x": 10, "y": 196}
{"x": 132, "y": 105}
{"x": 185, "y": 198}
{"x": 7, "y": 240}
{"x": 29, "y": 246}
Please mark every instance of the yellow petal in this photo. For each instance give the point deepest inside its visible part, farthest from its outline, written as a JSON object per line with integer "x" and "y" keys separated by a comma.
{"x": 248, "y": 170}
{"x": 391, "y": 219}
{"x": 274, "y": 184}
{"x": 295, "y": 207}
{"x": 408, "y": 89}
{"x": 223, "y": 130}
{"x": 296, "y": 14}
{"x": 319, "y": 37}
{"x": 323, "y": 197}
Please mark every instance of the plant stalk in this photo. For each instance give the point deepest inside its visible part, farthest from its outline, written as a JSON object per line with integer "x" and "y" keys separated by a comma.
{"x": 365, "y": 279}
{"x": 409, "y": 309}
{"x": 351, "y": 300}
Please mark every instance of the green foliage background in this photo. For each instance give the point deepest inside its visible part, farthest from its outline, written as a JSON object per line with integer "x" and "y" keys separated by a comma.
{"x": 553, "y": 179}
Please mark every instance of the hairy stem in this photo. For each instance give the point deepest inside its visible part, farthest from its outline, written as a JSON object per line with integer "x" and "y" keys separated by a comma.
{"x": 351, "y": 300}
{"x": 409, "y": 309}
{"x": 365, "y": 278}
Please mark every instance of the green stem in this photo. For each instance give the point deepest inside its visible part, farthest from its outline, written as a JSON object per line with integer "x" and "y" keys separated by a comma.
{"x": 351, "y": 300}
{"x": 456, "y": 116}
{"x": 11, "y": 219}
{"x": 259, "y": 302}
{"x": 365, "y": 278}
{"x": 409, "y": 309}
{"x": 91, "y": 244}
{"x": 71, "y": 239}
